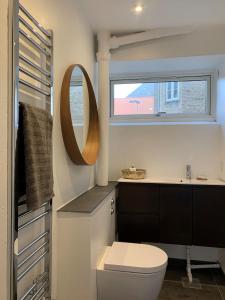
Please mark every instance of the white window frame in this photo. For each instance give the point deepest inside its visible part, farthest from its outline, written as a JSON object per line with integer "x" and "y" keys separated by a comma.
{"x": 210, "y": 116}
{"x": 172, "y": 98}
{"x": 75, "y": 83}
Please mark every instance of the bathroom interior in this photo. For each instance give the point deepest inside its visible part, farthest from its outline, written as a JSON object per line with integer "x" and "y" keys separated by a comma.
{"x": 112, "y": 150}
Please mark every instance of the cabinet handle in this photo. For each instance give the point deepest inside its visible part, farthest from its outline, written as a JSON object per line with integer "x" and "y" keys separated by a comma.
{"x": 112, "y": 211}
{"x": 112, "y": 201}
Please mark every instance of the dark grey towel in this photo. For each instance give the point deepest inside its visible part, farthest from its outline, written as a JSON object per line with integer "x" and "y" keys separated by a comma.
{"x": 36, "y": 132}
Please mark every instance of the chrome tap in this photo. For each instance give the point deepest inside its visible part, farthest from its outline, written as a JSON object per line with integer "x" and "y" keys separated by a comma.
{"x": 188, "y": 171}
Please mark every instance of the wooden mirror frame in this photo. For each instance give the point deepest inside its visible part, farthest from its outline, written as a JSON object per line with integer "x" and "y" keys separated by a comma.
{"x": 90, "y": 151}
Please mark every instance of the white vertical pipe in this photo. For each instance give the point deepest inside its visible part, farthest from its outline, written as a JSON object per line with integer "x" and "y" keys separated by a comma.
{"x": 103, "y": 57}
{"x": 189, "y": 273}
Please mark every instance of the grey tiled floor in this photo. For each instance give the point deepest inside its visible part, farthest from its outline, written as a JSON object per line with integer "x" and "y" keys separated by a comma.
{"x": 212, "y": 284}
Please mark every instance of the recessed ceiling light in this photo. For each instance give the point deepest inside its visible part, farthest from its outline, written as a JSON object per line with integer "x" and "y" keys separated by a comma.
{"x": 138, "y": 8}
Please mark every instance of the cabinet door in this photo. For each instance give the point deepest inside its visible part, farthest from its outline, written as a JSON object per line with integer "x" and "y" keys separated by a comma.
{"x": 176, "y": 214}
{"x": 138, "y": 198}
{"x": 209, "y": 216}
{"x": 138, "y": 228}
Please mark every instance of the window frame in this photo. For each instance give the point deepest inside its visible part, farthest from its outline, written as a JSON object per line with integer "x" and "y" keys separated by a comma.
{"x": 209, "y": 116}
{"x": 77, "y": 83}
{"x": 173, "y": 99}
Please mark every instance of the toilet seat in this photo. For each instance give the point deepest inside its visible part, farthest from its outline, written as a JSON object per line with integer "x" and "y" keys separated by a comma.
{"x": 135, "y": 258}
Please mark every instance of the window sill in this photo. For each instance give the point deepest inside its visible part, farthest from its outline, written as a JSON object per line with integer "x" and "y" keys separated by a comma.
{"x": 161, "y": 123}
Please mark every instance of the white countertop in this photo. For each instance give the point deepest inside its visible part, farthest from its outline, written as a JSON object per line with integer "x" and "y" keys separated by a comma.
{"x": 170, "y": 180}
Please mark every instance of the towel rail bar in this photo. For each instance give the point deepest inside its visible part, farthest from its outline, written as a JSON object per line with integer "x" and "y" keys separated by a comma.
{"x": 35, "y": 66}
{"x": 42, "y": 295}
{"x": 28, "y": 73}
{"x": 32, "y": 41}
{"x": 41, "y": 236}
{"x": 32, "y": 254}
{"x": 33, "y": 220}
{"x": 35, "y": 284}
{"x": 43, "y": 286}
{"x": 24, "y": 214}
{"x": 35, "y": 33}
{"x": 41, "y": 91}
{"x": 32, "y": 265}
{"x": 35, "y": 22}
{"x": 27, "y": 213}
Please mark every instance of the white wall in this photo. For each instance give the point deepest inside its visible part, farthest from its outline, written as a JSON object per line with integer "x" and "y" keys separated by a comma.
{"x": 221, "y": 119}
{"x": 73, "y": 43}
{"x": 164, "y": 150}
{"x": 202, "y": 41}
{"x": 4, "y": 257}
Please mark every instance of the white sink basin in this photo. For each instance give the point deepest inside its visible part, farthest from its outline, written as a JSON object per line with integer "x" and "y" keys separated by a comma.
{"x": 171, "y": 180}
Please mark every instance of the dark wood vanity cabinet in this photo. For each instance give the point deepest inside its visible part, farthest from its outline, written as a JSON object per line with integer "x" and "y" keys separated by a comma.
{"x": 138, "y": 212}
{"x": 137, "y": 227}
{"x": 176, "y": 214}
{"x": 171, "y": 213}
{"x": 138, "y": 199}
{"x": 209, "y": 216}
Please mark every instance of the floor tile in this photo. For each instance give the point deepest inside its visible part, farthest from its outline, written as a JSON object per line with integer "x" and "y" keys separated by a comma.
{"x": 212, "y": 285}
{"x": 218, "y": 276}
{"x": 195, "y": 284}
{"x": 175, "y": 275}
{"x": 204, "y": 275}
{"x": 222, "y": 291}
{"x": 177, "y": 269}
{"x": 175, "y": 291}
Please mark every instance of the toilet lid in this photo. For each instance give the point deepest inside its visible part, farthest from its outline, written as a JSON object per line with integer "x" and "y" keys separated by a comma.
{"x": 137, "y": 258}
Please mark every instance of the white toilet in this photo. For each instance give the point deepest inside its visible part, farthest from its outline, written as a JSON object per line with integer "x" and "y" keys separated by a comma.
{"x": 131, "y": 272}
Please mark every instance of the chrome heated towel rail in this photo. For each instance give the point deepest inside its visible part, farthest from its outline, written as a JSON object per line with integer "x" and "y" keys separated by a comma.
{"x": 31, "y": 234}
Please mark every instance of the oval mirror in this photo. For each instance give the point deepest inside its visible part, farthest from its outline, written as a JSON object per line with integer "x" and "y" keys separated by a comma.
{"x": 79, "y": 116}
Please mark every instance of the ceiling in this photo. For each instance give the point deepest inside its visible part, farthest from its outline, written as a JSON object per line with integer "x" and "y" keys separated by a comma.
{"x": 117, "y": 15}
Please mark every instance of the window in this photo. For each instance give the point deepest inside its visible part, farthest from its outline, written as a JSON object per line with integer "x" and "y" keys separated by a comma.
{"x": 179, "y": 97}
{"x": 76, "y": 102}
{"x": 172, "y": 91}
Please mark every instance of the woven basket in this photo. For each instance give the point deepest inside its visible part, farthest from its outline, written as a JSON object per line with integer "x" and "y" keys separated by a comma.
{"x": 138, "y": 174}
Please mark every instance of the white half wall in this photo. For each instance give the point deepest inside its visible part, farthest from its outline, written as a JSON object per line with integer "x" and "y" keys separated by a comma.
{"x": 73, "y": 43}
